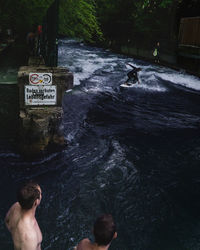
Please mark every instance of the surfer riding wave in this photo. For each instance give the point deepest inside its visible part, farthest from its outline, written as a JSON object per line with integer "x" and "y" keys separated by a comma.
{"x": 132, "y": 75}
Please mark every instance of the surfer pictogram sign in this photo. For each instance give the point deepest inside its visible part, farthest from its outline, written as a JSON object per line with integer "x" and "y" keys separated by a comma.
{"x": 40, "y": 78}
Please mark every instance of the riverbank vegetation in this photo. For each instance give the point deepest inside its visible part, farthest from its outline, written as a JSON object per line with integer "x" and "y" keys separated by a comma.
{"x": 142, "y": 23}
{"x": 115, "y": 21}
{"x": 78, "y": 18}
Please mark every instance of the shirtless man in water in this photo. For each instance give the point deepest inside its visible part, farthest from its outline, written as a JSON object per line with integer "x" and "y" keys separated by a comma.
{"x": 20, "y": 219}
{"x": 104, "y": 232}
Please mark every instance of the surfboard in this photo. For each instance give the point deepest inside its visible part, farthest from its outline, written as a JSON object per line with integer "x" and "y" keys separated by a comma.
{"x": 128, "y": 84}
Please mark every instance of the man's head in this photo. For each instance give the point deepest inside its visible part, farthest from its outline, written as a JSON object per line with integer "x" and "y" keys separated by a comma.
{"x": 29, "y": 195}
{"x": 104, "y": 230}
{"x": 139, "y": 69}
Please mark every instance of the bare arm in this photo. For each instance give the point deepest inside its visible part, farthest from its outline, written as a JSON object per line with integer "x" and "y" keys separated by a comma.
{"x": 12, "y": 216}
{"x": 7, "y": 221}
{"x": 8, "y": 215}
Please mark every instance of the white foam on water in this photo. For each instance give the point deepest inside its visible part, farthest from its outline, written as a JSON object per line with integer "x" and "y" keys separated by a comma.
{"x": 83, "y": 62}
{"x": 98, "y": 89}
{"x": 88, "y": 62}
{"x": 119, "y": 158}
{"x": 149, "y": 87}
{"x": 117, "y": 161}
{"x": 148, "y": 82}
{"x": 182, "y": 79}
{"x": 175, "y": 77}
{"x": 70, "y": 137}
{"x": 70, "y": 41}
{"x": 153, "y": 88}
{"x": 89, "y": 66}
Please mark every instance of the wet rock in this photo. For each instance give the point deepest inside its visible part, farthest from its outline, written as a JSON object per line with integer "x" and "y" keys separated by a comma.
{"x": 40, "y": 130}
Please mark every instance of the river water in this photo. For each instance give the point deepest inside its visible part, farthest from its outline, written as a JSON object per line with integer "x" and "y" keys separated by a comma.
{"x": 134, "y": 153}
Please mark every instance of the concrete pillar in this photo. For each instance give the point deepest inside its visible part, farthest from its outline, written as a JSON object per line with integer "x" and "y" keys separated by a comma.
{"x": 41, "y": 117}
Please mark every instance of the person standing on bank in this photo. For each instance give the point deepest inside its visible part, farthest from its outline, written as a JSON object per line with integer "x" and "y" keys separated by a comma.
{"x": 31, "y": 43}
{"x": 39, "y": 37}
{"x": 104, "y": 232}
{"x": 156, "y": 53}
{"x": 20, "y": 219}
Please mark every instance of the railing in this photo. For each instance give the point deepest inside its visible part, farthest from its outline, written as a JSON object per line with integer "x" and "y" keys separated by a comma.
{"x": 48, "y": 42}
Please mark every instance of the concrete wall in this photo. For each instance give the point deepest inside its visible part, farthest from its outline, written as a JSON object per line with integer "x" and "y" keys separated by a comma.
{"x": 41, "y": 125}
{"x": 62, "y": 78}
{"x": 189, "y": 58}
{"x": 186, "y": 57}
{"x": 148, "y": 54}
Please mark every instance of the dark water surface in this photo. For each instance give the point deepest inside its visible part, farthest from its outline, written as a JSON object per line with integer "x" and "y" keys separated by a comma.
{"x": 133, "y": 152}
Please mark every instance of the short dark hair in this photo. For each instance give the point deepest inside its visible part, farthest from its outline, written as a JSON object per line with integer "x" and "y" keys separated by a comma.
{"x": 27, "y": 194}
{"x": 104, "y": 229}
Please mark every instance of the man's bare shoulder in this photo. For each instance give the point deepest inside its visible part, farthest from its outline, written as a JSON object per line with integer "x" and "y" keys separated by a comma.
{"x": 14, "y": 207}
{"x": 85, "y": 244}
{"x": 13, "y": 215}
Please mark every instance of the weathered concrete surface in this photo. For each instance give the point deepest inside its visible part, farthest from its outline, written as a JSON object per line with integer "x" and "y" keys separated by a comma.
{"x": 133, "y": 51}
{"x": 36, "y": 61}
{"x": 189, "y": 57}
{"x": 41, "y": 126}
{"x": 62, "y": 78}
{"x": 185, "y": 57}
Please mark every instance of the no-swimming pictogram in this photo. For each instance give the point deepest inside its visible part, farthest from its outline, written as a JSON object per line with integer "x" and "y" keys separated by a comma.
{"x": 40, "y": 78}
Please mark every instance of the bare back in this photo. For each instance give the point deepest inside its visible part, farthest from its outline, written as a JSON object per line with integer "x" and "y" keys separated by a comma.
{"x": 24, "y": 228}
{"x": 86, "y": 244}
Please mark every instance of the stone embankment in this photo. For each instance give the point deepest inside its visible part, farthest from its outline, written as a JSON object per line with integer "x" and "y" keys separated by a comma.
{"x": 41, "y": 106}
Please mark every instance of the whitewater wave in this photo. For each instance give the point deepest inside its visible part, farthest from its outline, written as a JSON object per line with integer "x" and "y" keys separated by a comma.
{"x": 86, "y": 62}
{"x": 182, "y": 79}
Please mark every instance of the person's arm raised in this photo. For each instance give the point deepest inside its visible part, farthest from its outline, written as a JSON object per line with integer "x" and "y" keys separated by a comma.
{"x": 8, "y": 215}
{"x": 132, "y": 66}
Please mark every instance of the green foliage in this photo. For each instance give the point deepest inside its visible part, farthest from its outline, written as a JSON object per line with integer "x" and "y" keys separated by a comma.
{"x": 165, "y": 3}
{"x": 116, "y": 18}
{"x": 134, "y": 21}
{"x": 78, "y": 19}
{"x": 22, "y": 15}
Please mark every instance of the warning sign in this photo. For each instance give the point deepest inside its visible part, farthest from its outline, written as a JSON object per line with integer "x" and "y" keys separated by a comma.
{"x": 40, "y": 78}
{"x": 40, "y": 95}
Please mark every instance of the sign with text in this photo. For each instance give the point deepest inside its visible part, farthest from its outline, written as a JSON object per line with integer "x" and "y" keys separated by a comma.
{"x": 40, "y": 95}
{"x": 40, "y": 78}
